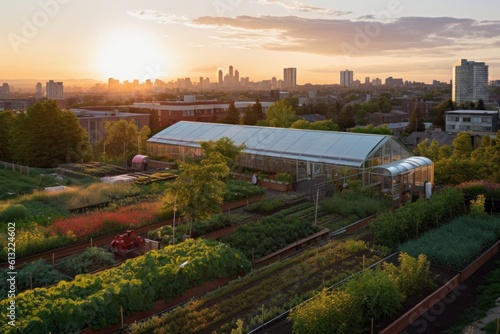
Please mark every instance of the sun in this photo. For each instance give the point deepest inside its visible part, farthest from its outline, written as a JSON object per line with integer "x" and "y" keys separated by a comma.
{"x": 131, "y": 54}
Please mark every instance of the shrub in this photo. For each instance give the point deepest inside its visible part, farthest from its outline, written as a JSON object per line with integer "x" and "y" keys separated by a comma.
{"x": 413, "y": 219}
{"x": 14, "y": 213}
{"x": 42, "y": 274}
{"x": 91, "y": 259}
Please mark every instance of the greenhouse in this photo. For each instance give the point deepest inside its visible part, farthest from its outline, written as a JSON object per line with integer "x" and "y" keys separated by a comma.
{"x": 304, "y": 154}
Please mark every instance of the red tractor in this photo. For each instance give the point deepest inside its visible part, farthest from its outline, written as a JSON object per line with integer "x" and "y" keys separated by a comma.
{"x": 126, "y": 242}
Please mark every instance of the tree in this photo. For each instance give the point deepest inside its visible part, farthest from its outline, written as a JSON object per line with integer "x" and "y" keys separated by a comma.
{"x": 346, "y": 118}
{"x": 325, "y": 125}
{"x": 439, "y": 112}
{"x": 225, "y": 147}
{"x": 462, "y": 146}
{"x": 6, "y": 121}
{"x": 198, "y": 190}
{"x": 249, "y": 117}
{"x": 253, "y": 113}
{"x": 280, "y": 115}
{"x": 257, "y": 110}
{"x": 416, "y": 122}
{"x": 144, "y": 134}
{"x": 370, "y": 129}
{"x": 46, "y": 136}
{"x": 121, "y": 139}
{"x": 233, "y": 115}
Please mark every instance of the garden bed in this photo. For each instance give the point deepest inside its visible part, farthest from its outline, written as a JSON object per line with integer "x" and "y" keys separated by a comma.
{"x": 265, "y": 293}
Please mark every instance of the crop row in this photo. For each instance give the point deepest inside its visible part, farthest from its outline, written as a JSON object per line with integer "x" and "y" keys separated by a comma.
{"x": 264, "y": 293}
{"x": 458, "y": 243}
{"x": 95, "y": 300}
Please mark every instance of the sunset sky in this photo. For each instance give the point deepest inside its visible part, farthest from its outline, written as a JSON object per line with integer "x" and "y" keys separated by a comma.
{"x": 125, "y": 39}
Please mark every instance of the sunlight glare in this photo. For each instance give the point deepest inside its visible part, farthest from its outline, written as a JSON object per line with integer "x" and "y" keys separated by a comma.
{"x": 129, "y": 55}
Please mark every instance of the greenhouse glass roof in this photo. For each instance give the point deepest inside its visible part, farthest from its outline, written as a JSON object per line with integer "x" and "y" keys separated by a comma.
{"x": 339, "y": 148}
{"x": 403, "y": 166}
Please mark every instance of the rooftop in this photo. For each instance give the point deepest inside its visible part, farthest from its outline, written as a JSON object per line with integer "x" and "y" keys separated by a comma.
{"x": 340, "y": 148}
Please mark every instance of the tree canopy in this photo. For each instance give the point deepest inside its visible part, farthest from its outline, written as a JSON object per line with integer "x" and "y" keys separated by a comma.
{"x": 225, "y": 147}
{"x": 46, "y": 136}
{"x": 123, "y": 137}
{"x": 462, "y": 162}
{"x": 280, "y": 114}
{"x": 6, "y": 120}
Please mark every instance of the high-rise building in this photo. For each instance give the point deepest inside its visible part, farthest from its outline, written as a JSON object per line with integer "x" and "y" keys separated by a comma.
{"x": 38, "y": 90}
{"x": 54, "y": 90}
{"x": 470, "y": 81}
{"x": 221, "y": 78}
{"x": 230, "y": 71}
{"x": 290, "y": 78}
{"x": 236, "y": 77}
{"x": 346, "y": 78}
{"x": 5, "y": 90}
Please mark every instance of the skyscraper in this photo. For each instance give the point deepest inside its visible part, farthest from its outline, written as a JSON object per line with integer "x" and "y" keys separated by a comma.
{"x": 470, "y": 81}
{"x": 346, "y": 78}
{"x": 54, "y": 90}
{"x": 290, "y": 78}
{"x": 221, "y": 78}
{"x": 38, "y": 91}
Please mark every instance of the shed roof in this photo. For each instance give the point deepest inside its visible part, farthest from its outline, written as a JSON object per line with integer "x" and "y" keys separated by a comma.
{"x": 340, "y": 148}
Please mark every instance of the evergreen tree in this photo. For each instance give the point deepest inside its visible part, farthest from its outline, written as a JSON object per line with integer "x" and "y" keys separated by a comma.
{"x": 249, "y": 117}
{"x": 233, "y": 115}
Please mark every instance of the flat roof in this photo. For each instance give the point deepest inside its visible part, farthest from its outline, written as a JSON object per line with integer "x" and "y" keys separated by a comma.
{"x": 474, "y": 112}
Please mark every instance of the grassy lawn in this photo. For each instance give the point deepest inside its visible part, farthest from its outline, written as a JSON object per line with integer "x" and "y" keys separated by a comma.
{"x": 15, "y": 182}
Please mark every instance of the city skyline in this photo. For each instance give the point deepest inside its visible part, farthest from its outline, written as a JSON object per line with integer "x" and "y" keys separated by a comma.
{"x": 127, "y": 40}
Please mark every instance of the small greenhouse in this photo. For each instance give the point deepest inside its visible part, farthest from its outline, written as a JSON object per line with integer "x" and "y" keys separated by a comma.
{"x": 305, "y": 154}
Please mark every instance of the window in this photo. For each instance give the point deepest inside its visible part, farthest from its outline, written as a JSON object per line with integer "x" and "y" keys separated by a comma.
{"x": 464, "y": 127}
{"x": 477, "y": 119}
{"x": 487, "y": 120}
{"x": 449, "y": 118}
{"x": 466, "y": 119}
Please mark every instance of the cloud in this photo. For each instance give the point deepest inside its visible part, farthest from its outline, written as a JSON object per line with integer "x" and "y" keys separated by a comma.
{"x": 405, "y": 35}
{"x": 364, "y": 36}
{"x": 299, "y": 6}
{"x": 158, "y": 17}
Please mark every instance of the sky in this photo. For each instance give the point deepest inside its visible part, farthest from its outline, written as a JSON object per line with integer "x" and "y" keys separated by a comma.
{"x": 417, "y": 40}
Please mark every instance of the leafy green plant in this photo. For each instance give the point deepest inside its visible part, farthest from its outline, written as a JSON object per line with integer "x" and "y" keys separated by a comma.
{"x": 413, "y": 219}
{"x": 284, "y": 177}
{"x": 91, "y": 259}
{"x": 376, "y": 294}
{"x": 94, "y": 301}
{"x": 41, "y": 273}
{"x": 260, "y": 238}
